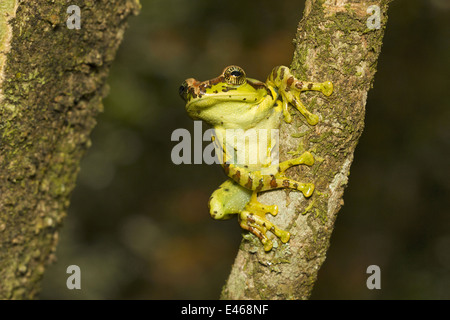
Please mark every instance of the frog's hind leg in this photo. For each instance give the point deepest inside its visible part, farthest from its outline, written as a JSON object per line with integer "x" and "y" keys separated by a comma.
{"x": 229, "y": 199}
{"x": 253, "y": 219}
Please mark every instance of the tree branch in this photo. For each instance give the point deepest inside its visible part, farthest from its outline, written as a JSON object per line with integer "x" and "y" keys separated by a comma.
{"x": 52, "y": 81}
{"x": 337, "y": 40}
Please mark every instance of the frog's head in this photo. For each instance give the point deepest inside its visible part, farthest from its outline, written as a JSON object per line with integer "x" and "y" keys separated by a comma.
{"x": 227, "y": 100}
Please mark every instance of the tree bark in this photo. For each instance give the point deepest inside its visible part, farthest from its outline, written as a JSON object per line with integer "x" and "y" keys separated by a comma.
{"x": 339, "y": 41}
{"x": 52, "y": 83}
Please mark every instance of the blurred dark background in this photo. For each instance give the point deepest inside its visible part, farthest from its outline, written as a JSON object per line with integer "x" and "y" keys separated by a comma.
{"x": 138, "y": 225}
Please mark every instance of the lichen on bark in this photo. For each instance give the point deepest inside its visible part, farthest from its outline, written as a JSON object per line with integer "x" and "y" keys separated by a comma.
{"x": 7, "y": 12}
{"x": 53, "y": 84}
{"x": 332, "y": 43}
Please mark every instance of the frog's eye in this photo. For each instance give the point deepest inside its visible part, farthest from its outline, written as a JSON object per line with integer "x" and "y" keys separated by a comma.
{"x": 234, "y": 75}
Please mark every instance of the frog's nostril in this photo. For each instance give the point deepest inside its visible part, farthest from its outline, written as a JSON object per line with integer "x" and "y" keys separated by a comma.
{"x": 183, "y": 90}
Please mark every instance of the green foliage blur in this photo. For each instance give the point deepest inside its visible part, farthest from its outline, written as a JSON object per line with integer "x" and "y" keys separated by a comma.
{"x": 139, "y": 226}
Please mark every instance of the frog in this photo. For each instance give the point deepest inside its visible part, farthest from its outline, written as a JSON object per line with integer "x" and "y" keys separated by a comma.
{"x": 232, "y": 102}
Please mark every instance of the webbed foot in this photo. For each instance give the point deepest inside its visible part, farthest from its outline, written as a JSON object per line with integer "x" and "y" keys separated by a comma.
{"x": 291, "y": 88}
{"x": 280, "y": 179}
{"x": 253, "y": 219}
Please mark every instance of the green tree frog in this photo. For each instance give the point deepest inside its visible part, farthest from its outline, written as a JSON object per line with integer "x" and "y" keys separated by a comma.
{"x": 234, "y": 106}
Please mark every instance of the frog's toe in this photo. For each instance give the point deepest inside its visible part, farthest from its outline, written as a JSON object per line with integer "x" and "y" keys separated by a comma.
{"x": 306, "y": 158}
{"x": 327, "y": 88}
{"x": 267, "y": 243}
{"x": 256, "y": 223}
{"x": 306, "y": 188}
{"x": 273, "y": 210}
{"x": 261, "y": 209}
{"x": 253, "y": 223}
{"x": 283, "y": 235}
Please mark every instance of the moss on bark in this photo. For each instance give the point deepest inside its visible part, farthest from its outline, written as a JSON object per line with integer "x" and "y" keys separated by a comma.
{"x": 54, "y": 81}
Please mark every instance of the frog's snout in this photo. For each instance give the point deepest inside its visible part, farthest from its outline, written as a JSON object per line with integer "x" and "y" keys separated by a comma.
{"x": 183, "y": 90}
{"x": 189, "y": 89}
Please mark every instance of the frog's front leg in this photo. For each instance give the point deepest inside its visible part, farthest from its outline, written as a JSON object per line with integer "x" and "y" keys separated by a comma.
{"x": 290, "y": 88}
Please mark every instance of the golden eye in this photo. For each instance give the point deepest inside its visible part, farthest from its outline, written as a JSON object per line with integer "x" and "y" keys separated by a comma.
{"x": 234, "y": 75}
